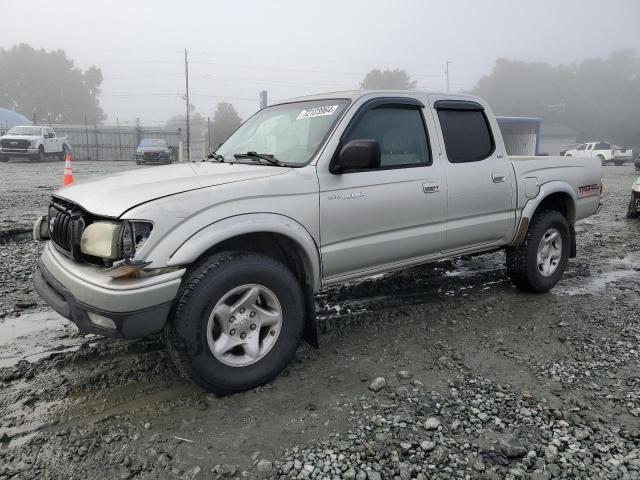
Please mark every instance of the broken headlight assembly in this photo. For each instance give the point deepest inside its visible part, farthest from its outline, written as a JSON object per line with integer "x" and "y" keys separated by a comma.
{"x": 102, "y": 239}
{"x": 110, "y": 241}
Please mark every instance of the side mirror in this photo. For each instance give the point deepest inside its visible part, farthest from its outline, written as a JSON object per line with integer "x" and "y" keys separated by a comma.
{"x": 358, "y": 155}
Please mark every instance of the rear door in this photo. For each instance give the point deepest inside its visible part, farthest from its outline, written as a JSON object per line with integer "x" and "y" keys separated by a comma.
{"x": 480, "y": 178}
{"x": 391, "y": 214}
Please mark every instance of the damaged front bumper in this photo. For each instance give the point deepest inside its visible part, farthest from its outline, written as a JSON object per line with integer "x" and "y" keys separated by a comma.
{"x": 96, "y": 303}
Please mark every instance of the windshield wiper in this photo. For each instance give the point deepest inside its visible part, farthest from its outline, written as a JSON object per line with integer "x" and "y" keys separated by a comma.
{"x": 255, "y": 156}
{"x": 216, "y": 156}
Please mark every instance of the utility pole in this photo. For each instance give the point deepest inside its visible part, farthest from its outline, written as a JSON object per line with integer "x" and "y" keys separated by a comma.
{"x": 263, "y": 99}
{"x": 447, "y": 73}
{"x": 209, "y": 134}
{"x": 186, "y": 76}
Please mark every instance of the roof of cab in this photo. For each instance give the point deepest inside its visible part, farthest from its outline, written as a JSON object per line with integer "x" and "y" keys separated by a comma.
{"x": 356, "y": 94}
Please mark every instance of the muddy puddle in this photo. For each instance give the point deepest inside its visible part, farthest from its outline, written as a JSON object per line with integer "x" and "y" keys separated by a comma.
{"x": 625, "y": 269}
{"x": 34, "y": 336}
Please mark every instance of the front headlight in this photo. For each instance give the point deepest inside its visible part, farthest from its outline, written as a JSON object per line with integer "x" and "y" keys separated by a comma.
{"x": 636, "y": 187}
{"x": 102, "y": 239}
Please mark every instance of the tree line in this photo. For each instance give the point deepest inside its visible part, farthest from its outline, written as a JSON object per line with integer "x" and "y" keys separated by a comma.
{"x": 597, "y": 98}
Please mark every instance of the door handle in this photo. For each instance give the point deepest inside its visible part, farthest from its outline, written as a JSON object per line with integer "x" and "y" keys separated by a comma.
{"x": 498, "y": 177}
{"x": 426, "y": 188}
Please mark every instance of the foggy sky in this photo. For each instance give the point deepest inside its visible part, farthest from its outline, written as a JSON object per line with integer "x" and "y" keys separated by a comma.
{"x": 294, "y": 47}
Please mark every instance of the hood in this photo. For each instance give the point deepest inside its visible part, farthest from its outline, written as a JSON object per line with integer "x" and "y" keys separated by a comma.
{"x": 112, "y": 195}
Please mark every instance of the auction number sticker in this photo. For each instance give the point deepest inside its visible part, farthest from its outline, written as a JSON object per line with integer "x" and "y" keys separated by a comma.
{"x": 317, "y": 112}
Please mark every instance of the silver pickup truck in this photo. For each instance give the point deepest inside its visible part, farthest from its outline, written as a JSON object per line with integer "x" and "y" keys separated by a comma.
{"x": 224, "y": 255}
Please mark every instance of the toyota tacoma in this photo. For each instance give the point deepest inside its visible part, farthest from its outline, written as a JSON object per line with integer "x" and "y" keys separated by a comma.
{"x": 225, "y": 255}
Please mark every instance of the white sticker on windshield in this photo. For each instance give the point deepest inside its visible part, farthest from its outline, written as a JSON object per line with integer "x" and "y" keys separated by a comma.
{"x": 317, "y": 112}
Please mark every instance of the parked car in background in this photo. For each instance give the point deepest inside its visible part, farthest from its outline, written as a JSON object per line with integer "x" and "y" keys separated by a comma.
{"x": 636, "y": 163}
{"x": 34, "y": 143}
{"x": 606, "y": 152}
{"x": 634, "y": 201}
{"x": 225, "y": 255}
{"x": 154, "y": 150}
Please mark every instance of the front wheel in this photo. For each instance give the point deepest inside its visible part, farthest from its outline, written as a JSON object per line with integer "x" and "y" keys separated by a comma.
{"x": 237, "y": 322}
{"x": 41, "y": 155}
{"x": 538, "y": 264}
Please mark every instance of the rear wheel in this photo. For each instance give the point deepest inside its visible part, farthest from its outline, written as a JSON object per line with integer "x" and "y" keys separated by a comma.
{"x": 237, "y": 322}
{"x": 41, "y": 155}
{"x": 538, "y": 264}
{"x": 602, "y": 159}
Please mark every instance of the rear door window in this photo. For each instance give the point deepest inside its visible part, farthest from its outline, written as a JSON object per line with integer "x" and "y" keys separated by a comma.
{"x": 467, "y": 135}
{"x": 602, "y": 146}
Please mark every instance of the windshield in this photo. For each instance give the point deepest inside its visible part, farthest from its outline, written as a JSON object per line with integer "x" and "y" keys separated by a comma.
{"x": 153, "y": 142}
{"x": 291, "y": 133}
{"x": 25, "y": 131}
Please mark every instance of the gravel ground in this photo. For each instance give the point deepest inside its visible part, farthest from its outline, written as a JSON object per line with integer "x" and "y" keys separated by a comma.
{"x": 442, "y": 371}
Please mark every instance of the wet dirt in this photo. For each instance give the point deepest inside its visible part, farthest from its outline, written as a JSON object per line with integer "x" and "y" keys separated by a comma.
{"x": 76, "y": 405}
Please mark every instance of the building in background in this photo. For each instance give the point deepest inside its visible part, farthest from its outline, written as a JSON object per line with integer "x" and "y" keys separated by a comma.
{"x": 521, "y": 135}
{"x": 554, "y": 138}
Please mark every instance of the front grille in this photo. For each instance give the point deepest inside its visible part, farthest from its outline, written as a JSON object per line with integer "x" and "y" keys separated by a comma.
{"x": 66, "y": 224}
{"x": 151, "y": 155}
{"x": 15, "y": 144}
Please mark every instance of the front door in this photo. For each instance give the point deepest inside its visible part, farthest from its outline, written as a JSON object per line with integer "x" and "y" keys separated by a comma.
{"x": 480, "y": 178}
{"x": 389, "y": 214}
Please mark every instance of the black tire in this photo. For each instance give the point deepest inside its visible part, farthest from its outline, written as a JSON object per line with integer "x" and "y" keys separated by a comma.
{"x": 138, "y": 162}
{"x": 618, "y": 163}
{"x": 42, "y": 157}
{"x": 204, "y": 286}
{"x": 603, "y": 161}
{"x": 522, "y": 263}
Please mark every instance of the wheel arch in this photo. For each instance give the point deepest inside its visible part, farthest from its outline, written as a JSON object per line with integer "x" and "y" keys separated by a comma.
{"x": 263, "y": 232}
{"x": 554, "y": 195}
{"x": 275, "y": 235}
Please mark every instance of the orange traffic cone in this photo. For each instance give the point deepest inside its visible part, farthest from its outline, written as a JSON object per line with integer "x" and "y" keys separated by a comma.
{"x": 67, "y": 178}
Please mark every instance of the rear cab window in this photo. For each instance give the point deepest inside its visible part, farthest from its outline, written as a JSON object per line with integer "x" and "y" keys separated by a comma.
{"x": 466, "y": 131}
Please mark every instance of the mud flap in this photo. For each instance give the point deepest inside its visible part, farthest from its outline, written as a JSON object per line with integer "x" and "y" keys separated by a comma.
{"x": 572, "y": 239}
{"x": 310, "y": 334}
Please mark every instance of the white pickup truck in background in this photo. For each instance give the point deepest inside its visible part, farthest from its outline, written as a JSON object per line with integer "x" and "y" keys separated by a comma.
{"x": 33, "y": 142}
{"x": 604, "y": 151}
{"x": 225, "y": 255}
